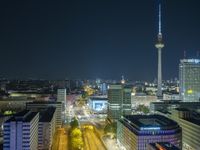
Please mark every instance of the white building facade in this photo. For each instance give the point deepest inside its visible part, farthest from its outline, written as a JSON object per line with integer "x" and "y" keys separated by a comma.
{"x": 21, "y": 131}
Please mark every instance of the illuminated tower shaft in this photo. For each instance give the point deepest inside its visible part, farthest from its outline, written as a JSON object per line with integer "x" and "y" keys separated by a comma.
{"x": 159, "y": 92}
{"x": 159, "y": 45}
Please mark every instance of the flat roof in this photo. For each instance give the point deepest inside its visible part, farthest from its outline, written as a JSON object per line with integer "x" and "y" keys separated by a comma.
{"x": 182, "y": 109}
{"x": 163, "y": 145}
{"x": 47, "y": 115}
{"x": 25, "y": 116}
{"x": 195, "y": 118}
{"x": 175, "y": 102}
{"x": 191, "y": 61}
{"x": 44, "y": 102}
{"x": 149, "y": 122}
{"x": 98, "y": 98}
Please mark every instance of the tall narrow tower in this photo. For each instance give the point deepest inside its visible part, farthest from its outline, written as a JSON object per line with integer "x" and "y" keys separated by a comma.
{"x": 159, "y": 45}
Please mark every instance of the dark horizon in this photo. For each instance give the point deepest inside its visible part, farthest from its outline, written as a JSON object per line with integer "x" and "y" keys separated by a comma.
{"x": 101, "y": 39}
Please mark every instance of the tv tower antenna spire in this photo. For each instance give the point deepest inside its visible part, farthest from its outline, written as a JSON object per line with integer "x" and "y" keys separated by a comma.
{"x": 160, "y": 21}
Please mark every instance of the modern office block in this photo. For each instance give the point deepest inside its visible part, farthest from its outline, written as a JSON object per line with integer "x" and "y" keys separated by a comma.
{"x": 21, "y": 131}
{"x": 61, "y": 95}
{"x": 103, "y": 88}
{"x": 119, "y": 101}
{"x": 43, "y": 105}
{"x": 137, "y": 131}
{"x": 189, "y": 75}
{"x": 126, "y": 104}
{"x": 115, "y": 98}
{"x": 170, "y": 105}
{"x": 46, "y": 128}
{"x": 190, "y": 124}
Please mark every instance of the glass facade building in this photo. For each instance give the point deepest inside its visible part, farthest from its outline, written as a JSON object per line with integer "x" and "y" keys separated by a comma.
{"x": 189, "y": 76}
{"x": 119, "y": 101}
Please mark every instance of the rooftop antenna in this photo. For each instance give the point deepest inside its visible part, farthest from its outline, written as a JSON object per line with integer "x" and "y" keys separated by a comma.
{"x": 184, "y": 54}
{"x": 197, "y": 54}
{"x": 160, "y": 21}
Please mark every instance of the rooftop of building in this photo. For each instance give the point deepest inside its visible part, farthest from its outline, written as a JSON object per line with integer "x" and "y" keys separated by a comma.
{"x": 190, "y": 61}
{"x": 47, "y": 115}
{"x": 44, "y": 102}
{"x": 193, "y": 120}
{"x": 163, "y": 146}
{"x": 175, "y": 102}
{"x": 99, "y": 98}
{"x": 164, "y": 112}
{"x": 182, "y": 109}
{"x": 149, "y": 122}
{"x": 194, "y": 116}
{"x": 171, "y": 93}
{"x": 25, "y": 116}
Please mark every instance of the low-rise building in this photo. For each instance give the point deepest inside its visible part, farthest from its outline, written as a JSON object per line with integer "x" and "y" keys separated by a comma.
{"x": 98, "y": 104}
{"x": 171, "y": 96}
{"x": 137, "y": 131}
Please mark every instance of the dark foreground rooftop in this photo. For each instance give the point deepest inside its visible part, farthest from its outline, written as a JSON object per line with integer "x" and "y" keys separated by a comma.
{"x": 25, "y": 116}
{"x": 47, "y": 115}
{"x": 44, "y": 102}
{"x": 163, "y": 146}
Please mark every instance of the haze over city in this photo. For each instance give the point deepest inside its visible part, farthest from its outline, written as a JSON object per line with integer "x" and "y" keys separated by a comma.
{"x": 90, "y": 39}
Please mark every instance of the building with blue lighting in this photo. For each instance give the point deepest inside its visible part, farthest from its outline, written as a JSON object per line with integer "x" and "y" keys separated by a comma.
{"x": 21, "y": 131}
{"x": 137, "y": 131}
{"x": 98, "y": 104}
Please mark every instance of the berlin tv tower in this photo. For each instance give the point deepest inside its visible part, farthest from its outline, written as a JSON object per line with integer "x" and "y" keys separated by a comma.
{"x": 159, "y": 45}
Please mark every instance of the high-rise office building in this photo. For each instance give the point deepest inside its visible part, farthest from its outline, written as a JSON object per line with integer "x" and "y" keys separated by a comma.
{"x": 103, "y": 88}
{"x": 115, "y": 98}
{"x": 126, "y": 104}
{"x": 119, "y": 101}
{"x": 38, "y": 106}
{"x": 61, "y": 96}
{"x": 159, "y": 45}
{"x": 189, "y": 76}
{"x": 21, "y": 131}
{"x": 135, "y": 132}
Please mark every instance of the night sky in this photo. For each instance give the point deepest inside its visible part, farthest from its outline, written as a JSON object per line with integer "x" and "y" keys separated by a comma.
{"x": 95, "y": 38}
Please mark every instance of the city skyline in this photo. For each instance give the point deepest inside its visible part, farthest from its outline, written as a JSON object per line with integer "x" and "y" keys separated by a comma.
{"x": 95, "y": 39}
